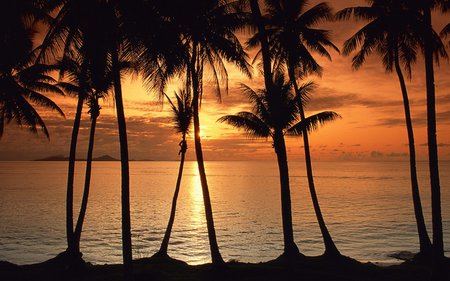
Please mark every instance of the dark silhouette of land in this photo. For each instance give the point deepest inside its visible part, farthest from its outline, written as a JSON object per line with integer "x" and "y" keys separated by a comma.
{"x": 306, "y": 268}
{"x": 65, "y": 158}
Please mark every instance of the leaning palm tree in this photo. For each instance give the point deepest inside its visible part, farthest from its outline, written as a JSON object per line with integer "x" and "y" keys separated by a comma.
{"x": 207, "y": 29}
{"x": 182, "y": 120}
{"x": 94, "y": 94}
{"x": 292, "y": 39}
{"x": 74, "y": 70}
{"x": 273, "y": 116}
{"x": 391, "y": 33}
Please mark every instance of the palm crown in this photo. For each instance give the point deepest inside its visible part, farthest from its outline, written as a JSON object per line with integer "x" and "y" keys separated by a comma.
{"x": 182, "y": 111}
{"x": 278, "y": 111}
{"x": 23, "y": 86}
{"x": 394, "y": 27}
{"x": 293, "y": 38}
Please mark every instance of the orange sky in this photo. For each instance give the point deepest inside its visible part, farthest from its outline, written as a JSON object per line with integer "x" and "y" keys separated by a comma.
{"x": 369, "y": 100}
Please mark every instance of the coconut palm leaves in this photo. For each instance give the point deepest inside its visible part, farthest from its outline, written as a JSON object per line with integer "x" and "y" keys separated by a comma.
{"x": 293, "y": 35}
{"x": 20, "y": 91}
{"x": 274, "y": 115}
{"x": 22, "y": 84}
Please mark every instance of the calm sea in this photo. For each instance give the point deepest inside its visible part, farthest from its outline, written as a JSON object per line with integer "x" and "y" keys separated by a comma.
{"x": 367, "y": 206}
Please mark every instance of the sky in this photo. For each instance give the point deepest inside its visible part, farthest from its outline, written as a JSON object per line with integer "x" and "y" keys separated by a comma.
{"x": 369, "y": 100}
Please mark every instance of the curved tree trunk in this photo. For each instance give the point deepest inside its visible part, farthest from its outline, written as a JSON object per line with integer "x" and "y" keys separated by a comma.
{"x": 125, "y": 171}
{"x": 438, "y": 243}
{"x": 165, "y": 243}
{"x": 330, "y": 247}
{"x": 71, "y": 247}
{"x": 87, "y": 182}
{"x": 214, "y": 247}
{"x": 290, "y": 248}
{"x": 424, "y": 239}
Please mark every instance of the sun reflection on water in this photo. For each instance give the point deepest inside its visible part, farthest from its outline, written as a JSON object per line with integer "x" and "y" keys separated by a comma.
{"x": 196, "y": 199}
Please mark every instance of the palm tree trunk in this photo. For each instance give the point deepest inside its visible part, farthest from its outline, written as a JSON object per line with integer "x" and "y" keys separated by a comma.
{"x": 215, "y": 253}
{"x": 424, "y": 239}
{"x": 438, "y": 243}
{"x": 165, "y": 242}
{"x": 71, "y": 247}
{"x": 330, "y": 247}
{"x": 87, "y": 182}
{"x": 265, "y": 49}
{"x": 125, "y": 171}
{"x": 290, "y": 248}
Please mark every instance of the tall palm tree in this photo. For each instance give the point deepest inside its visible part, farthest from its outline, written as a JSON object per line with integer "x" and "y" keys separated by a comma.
{"x": 182, "y": 120}
{"x": 90, "y": 94}
{"x": 94, "y": 112}
{"x": 94, "y": 26}
{"x": 21, "y": 81}
{"x": 293, "y": 38}
{"x": 207, "y": 29}
{"x": 391, "y": 33}
{"x": 274, "y": 115}
{"x": 429, "y": 48}
{"x": 74, "y": 70}
{"x": 108, "y": 32}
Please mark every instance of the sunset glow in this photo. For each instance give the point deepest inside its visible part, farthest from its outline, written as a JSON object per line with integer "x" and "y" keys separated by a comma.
{"x": 369, "y": 100}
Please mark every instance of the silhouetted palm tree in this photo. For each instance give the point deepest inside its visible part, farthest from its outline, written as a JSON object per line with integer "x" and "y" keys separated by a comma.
{"x": 391, "y": 33}
{"x": 182, "y": 120}
{"x": 429, "y": 48}
{"x": 274, "y": 115}
{"x": 75, "y": 71}
{"x": 109, "y": 31}
{"x": 94, "y": 27}
{"x": 21, "y": 81}
{"x": 207, "y": 29}
{"x": 293, "y": 38}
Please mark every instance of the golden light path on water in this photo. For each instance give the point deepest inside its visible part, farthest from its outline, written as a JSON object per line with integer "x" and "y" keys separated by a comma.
{"x": 367, "y": 207}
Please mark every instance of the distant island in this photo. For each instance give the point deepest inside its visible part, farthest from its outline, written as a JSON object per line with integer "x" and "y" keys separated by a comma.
{"x": 65, "y": 158}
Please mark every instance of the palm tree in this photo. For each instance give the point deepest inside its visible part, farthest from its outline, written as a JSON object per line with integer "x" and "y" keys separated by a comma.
{"x": 429, "y": 48}
{"x": 292, "y": 38}
{"x": 93, "y": 26}
{"x": 207, "y": 29}
{"x": 75, "y": 71}
{"x": 94, "y": 93}
{"x": 275, "y": 115}
{"x": 391, "y": 34}
{"x": 110, "y": 31}
{"x": 182, "y": 119}
{"x": 21, "y": 81}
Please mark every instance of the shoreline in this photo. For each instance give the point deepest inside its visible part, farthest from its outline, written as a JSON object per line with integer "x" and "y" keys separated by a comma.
{"x": 319, "y": 268}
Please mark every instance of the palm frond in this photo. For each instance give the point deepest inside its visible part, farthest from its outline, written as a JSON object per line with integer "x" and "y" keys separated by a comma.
{"x": 249, "y": 122}
{"x": 312, "y": 123}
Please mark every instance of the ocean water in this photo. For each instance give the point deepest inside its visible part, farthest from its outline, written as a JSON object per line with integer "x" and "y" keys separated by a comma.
{"x": 367, "y": 207}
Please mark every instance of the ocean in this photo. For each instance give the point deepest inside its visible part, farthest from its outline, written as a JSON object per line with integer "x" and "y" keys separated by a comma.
{"x": 366, "y": 205}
